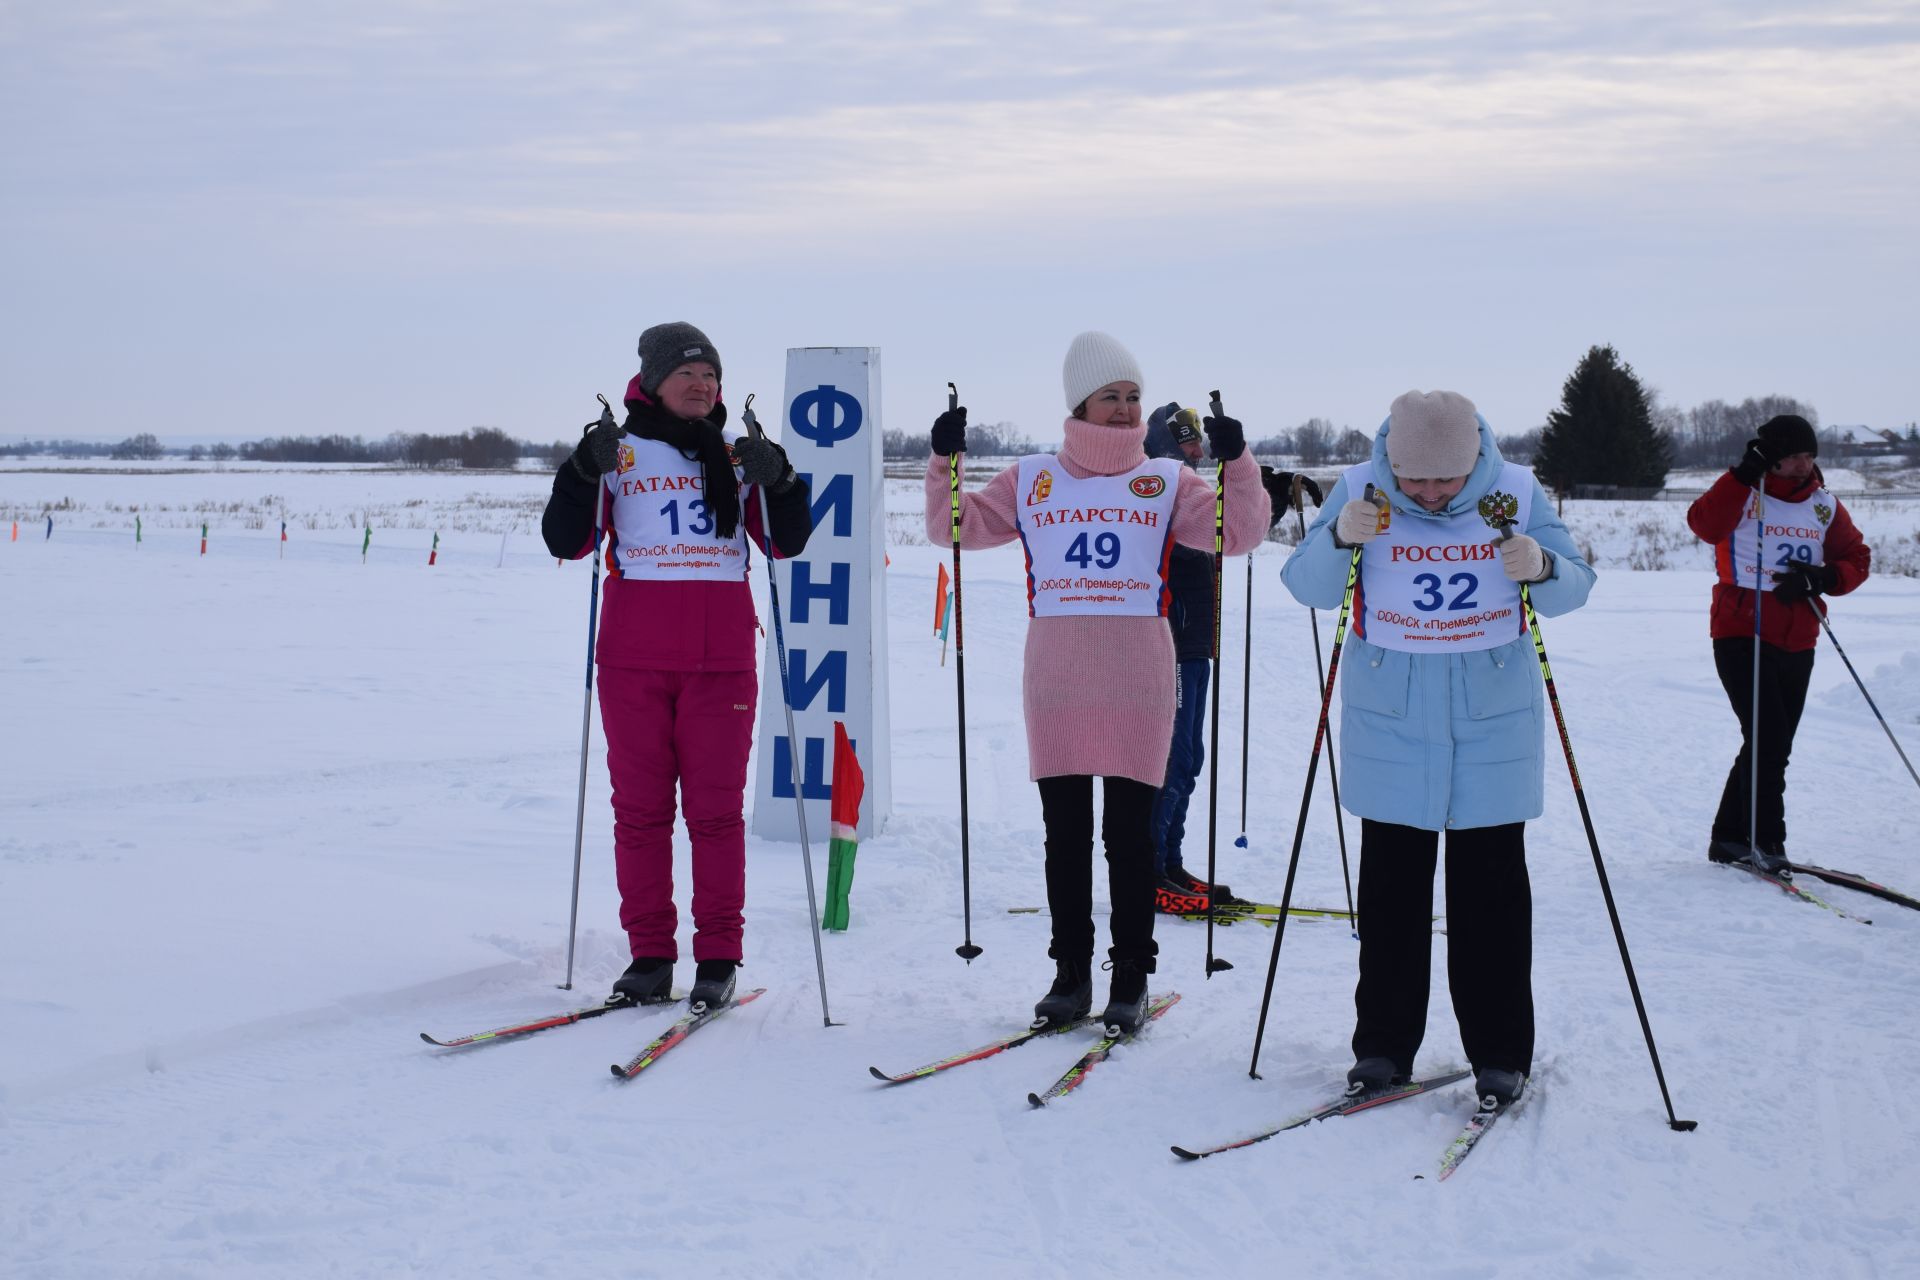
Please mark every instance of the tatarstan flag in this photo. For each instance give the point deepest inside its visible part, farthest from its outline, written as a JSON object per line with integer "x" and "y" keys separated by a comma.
{"x": 941, "y": 597}
{"x": 849, "y": 785}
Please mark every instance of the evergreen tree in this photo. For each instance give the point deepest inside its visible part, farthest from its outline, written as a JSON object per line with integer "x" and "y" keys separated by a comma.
{"x": 1603, "y": 431}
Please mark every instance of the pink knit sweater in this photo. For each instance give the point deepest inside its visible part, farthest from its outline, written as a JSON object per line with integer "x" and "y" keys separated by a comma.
{"x": 1099, "y": 692}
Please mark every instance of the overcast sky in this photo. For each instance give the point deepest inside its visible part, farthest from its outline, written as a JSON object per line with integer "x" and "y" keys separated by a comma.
{"x": 244, "y": 217}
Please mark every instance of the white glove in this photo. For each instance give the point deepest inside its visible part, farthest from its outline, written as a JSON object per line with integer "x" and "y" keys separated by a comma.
{"x": 1357, "y": 524}
{"x": 1522, "y": 558}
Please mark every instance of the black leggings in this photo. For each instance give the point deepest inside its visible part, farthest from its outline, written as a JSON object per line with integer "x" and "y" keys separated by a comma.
{"x": 1489, "y": 943}
{"x": 1126, "y": 829}
{"x": 1783, "y": 695}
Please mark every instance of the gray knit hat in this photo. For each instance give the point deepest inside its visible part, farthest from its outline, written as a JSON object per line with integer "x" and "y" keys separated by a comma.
{"x": 1433, "y": 435}
{"x": 666, "y": 347}
{"x": 1092, "y": 362}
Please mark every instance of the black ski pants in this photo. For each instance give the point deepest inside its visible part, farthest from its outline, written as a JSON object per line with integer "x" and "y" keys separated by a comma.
{"x": 1783, "y": 696}
{"x": 1489, "y": 943}
{"x": 1126, "y": 829}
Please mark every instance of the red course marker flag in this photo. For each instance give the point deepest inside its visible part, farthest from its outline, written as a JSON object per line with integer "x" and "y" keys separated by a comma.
{"x": 849, "y": 785}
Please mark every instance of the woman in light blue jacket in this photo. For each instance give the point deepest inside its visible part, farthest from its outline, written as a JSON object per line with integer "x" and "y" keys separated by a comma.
{"x": 1443, "y": 722}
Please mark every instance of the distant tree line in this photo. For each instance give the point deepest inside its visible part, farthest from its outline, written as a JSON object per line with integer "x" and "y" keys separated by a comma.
{"x": 1317, "y": 443}
{"x": 475, "y": 448}
{"x": 986, "y": 439}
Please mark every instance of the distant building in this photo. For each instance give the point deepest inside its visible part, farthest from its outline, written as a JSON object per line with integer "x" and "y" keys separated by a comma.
{"x": 1860, "y": 442}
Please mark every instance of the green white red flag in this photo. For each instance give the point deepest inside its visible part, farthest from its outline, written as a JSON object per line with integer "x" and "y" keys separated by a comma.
{"x": 849, "y": 786}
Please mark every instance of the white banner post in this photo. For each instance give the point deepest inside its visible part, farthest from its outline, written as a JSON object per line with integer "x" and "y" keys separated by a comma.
{"x": 833, "y": 598}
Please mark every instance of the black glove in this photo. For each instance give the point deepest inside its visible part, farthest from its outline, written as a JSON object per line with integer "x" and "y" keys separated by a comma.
{"x": 1755, "y": 462}
{"x": 599, "y": 449}
{"x": 1803, "y": 582}
{"x": 950, "y": 432}
{"x": 1226, "y": 439}
{"x": 1279, "y": 486}
{"x": 763, "y": 462}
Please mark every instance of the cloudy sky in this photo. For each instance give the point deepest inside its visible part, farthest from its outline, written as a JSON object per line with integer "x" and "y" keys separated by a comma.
{"x": 245, "y": 217}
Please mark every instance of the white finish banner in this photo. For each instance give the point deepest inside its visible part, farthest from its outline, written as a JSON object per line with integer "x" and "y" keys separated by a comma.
{"x": 833, "y": 600}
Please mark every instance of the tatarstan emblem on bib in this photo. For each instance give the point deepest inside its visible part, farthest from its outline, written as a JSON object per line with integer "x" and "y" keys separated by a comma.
{"x": 1042, "y": 488}
{"x": 626, "y": 459}
{"x": 1499, "y": 509}
{"x": 1145, "y": 486}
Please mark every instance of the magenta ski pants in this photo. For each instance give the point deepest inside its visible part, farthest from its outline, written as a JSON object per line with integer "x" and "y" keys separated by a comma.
{"x": 691, "y": 729}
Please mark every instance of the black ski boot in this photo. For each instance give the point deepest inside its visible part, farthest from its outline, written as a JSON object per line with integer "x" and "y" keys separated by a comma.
{"x": 1498, "y": 1087}
{"x": 1126, "y": 998}
{"x": 1069, "y": 999}
{"x": 712, "y": 983}
{"x": 1769, "y": 859}
{"x": 1373, "y": 1075}
{"x": 648, "y": 980}
{"x": 1195, "y": 884}
{"x": 1727, "y": 850}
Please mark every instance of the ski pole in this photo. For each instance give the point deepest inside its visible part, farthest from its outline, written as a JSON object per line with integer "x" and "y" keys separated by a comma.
{"x": 1213, "y": 745}
{"x": 1593, "y": 843}
{"x": 1306, "y": 792}
{"x": 1753, "y": 732}
{"x": 586, "y": 710}
{"x": 793, "y": 736}
{"x": 1246, "y": 705}
{"x": 966, "y": 950}
{"x": 1828, "y": 626}
{"x": 1333, "y": 773}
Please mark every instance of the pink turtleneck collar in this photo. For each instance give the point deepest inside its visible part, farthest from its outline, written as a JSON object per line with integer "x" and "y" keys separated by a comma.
{"x": 1102, "y": 451}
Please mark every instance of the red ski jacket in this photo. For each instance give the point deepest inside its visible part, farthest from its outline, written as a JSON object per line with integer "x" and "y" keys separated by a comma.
{"x": 1793, "y": 627}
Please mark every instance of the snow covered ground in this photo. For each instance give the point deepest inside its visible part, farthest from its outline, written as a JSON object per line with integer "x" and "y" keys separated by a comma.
{"x": 263, "y": 820}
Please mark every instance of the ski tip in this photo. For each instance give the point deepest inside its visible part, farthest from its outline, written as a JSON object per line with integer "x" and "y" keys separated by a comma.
{"x": 880, "y": 1075}
{"x": 1185, "y": 1154}
{"x": 619, "y": 1072}
{"x": 1683, "y": 1126}
{"x": 1036, "y": 1100}
{"x": 430, "y": 1040}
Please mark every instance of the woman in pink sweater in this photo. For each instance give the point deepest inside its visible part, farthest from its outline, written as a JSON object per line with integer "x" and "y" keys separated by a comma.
{"x": 1098, "y": 521}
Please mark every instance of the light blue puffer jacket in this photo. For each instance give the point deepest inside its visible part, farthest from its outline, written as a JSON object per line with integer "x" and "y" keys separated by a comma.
{"x": 1442, "y": 740}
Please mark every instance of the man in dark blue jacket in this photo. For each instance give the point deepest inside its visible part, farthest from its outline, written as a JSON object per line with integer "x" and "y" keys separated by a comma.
{"x": 1190, "y": 574}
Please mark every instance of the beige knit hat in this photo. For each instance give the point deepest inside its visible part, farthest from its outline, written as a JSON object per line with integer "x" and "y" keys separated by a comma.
{"x": 1093, "y": 361}
{"x": 1432, "y": 435}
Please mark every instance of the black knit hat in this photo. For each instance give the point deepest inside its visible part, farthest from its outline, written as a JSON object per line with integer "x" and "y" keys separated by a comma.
{"x": 1789, "y": 434}
{"x": 666, "y": 347}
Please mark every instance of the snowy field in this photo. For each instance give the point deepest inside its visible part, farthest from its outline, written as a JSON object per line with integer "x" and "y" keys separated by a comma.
{"x": 263, "y": 820}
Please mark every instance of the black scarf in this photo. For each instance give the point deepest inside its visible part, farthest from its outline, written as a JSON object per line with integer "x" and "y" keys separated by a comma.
{"x": 699, "y": 438}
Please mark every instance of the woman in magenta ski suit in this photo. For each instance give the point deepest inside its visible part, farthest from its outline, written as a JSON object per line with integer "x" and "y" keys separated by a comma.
{"x": 676, "y": 649}
{"x": 1099, "y": 681}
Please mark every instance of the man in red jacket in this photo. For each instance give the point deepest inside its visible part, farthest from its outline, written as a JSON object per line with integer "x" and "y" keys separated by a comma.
{"x": 1795, "y": 544}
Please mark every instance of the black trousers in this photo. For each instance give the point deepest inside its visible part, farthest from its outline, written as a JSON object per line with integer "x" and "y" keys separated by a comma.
{"x": 1489, "y": 943}
{"x": 1126, "y": 830}
{"x": 1783, "y": 696}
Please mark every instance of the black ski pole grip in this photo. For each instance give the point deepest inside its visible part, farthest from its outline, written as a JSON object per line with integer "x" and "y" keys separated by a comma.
{"x": 953, "y": 396}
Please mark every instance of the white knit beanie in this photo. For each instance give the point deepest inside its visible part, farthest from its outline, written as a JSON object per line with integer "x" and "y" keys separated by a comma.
{"x": 1433, "y": 435}
{"x": 1094, "y": 360}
